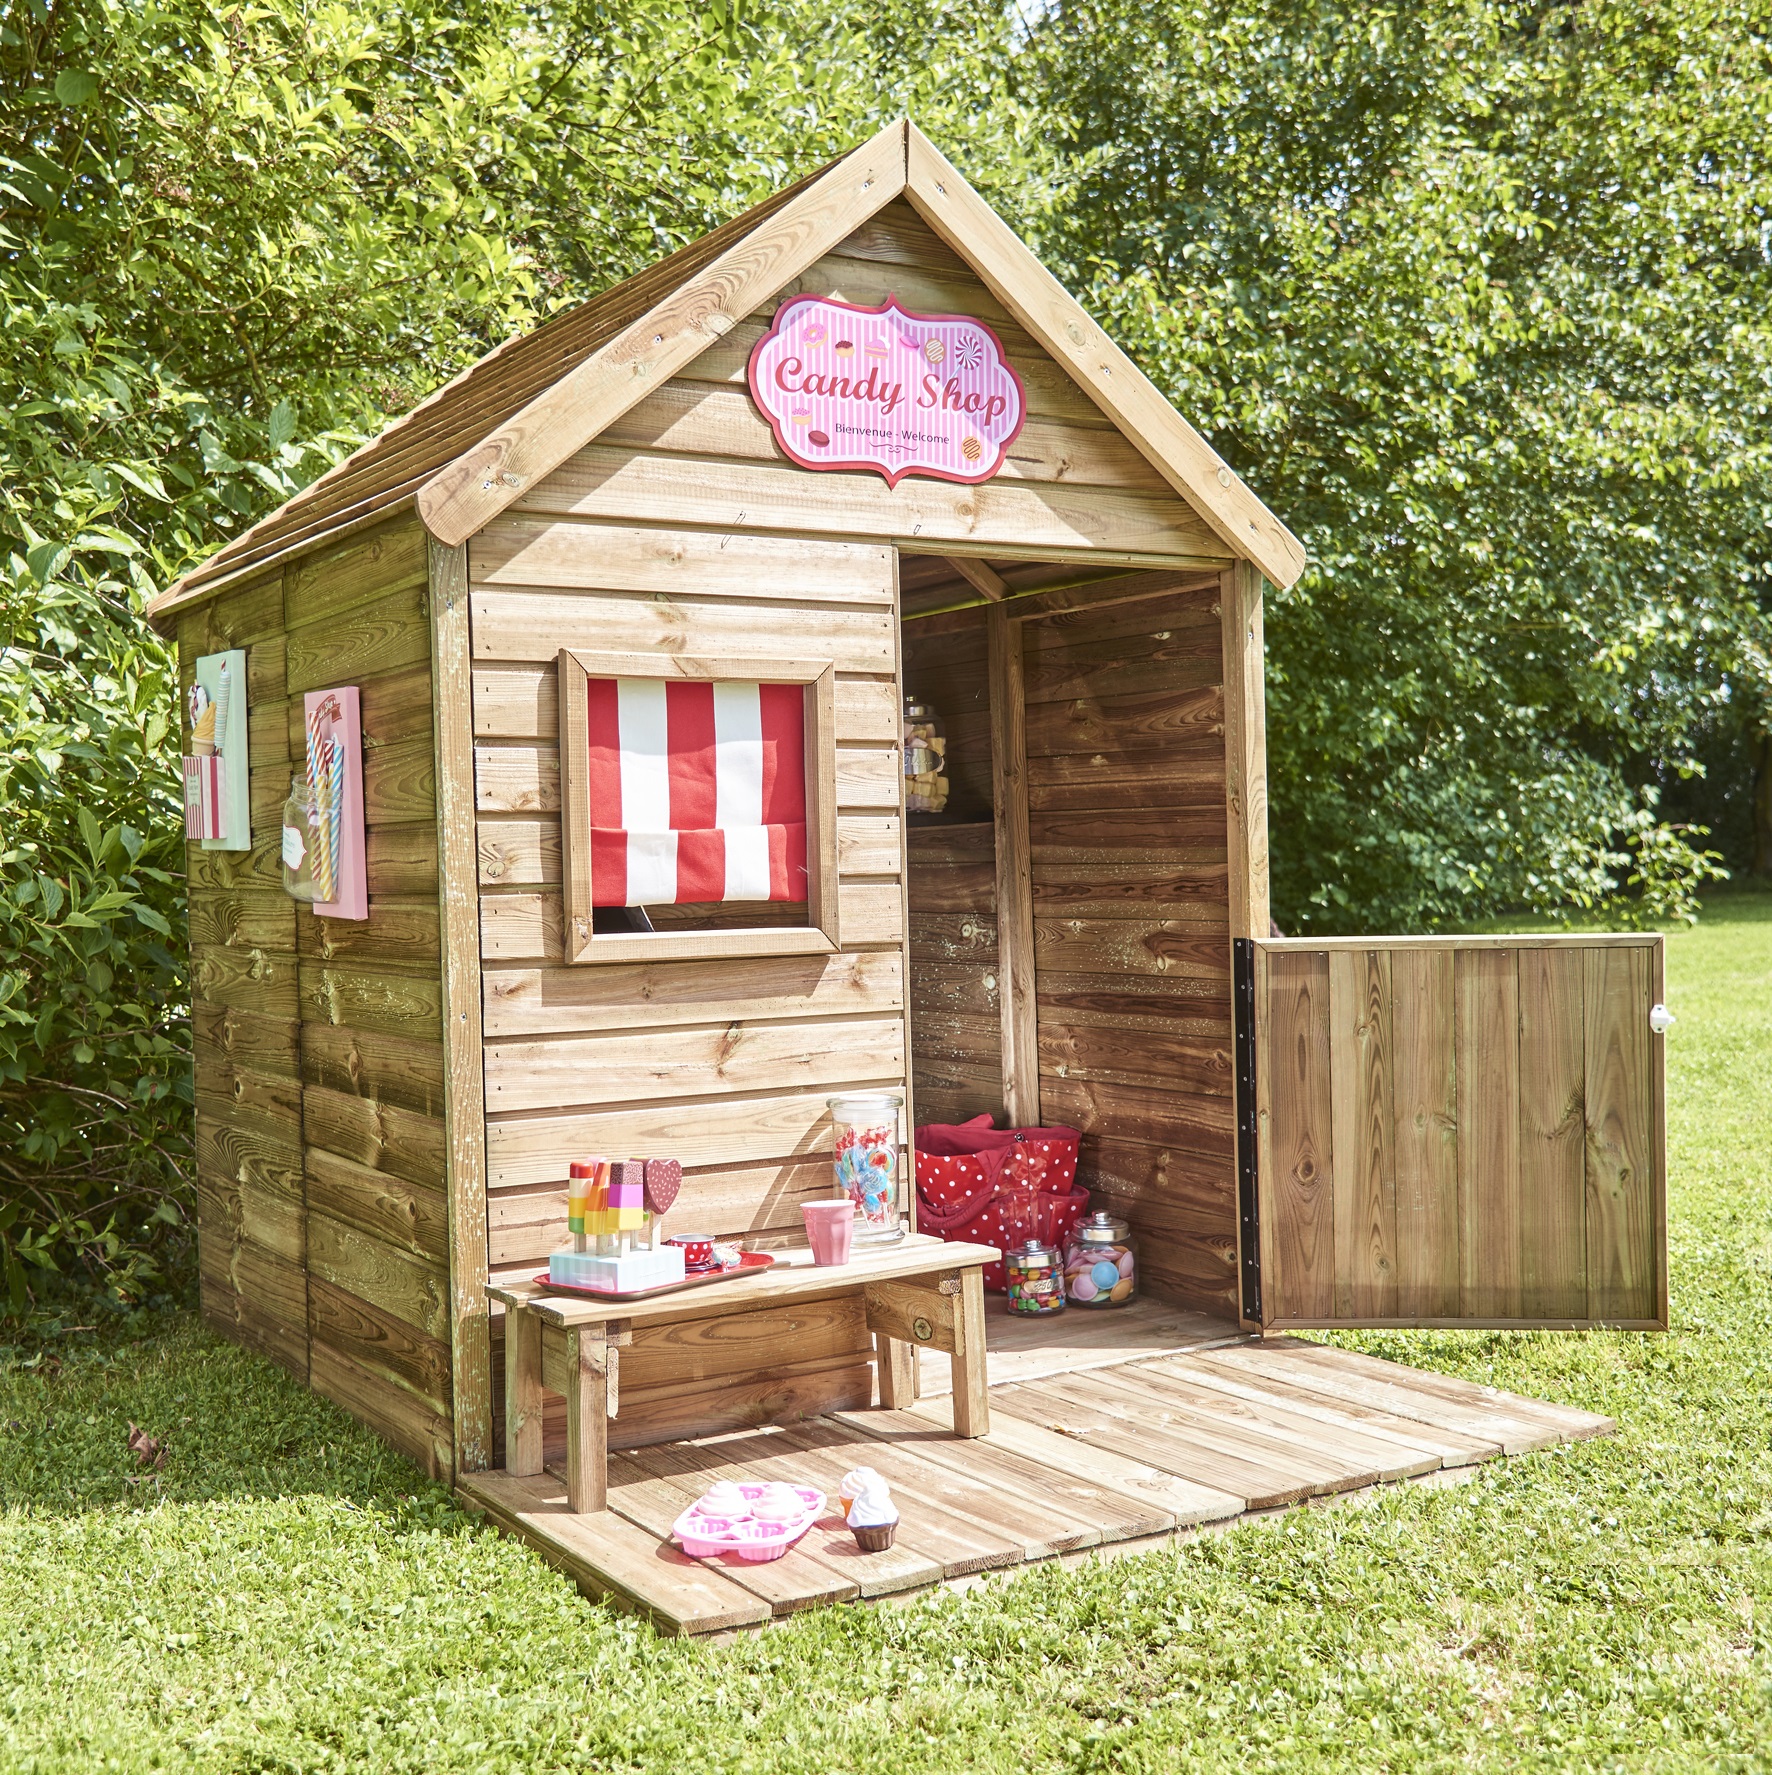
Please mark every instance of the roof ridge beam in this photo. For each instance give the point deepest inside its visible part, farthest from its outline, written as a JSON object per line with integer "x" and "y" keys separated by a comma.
{"x": 471, "y": 491}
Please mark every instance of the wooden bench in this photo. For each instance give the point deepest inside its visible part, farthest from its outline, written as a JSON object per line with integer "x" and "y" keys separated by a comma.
{"x": 920, "y": 1293}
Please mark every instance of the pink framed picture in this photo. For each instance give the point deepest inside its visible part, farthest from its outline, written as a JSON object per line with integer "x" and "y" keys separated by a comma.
{"x": 334, "y": 728}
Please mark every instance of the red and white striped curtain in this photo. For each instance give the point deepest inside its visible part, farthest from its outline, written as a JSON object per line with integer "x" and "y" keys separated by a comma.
{"x": 697, "y": 791}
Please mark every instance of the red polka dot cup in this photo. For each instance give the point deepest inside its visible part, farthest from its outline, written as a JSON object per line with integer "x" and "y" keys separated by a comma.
{"x": 697, "y": 1249}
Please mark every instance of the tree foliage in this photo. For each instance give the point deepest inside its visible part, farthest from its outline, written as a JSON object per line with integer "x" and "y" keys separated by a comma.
{"x": 1476, "y": 296}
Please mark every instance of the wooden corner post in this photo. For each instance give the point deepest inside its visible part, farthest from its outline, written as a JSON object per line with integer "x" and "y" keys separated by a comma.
{"x": 464, "y": 1080}
{"x": 1015, "y": 890}
{"x": 1245, "y": 750}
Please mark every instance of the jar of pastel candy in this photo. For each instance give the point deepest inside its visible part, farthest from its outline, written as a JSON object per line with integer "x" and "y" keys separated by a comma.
{"x": 1100, "y": 1263}
{"x": 866, "y": 1129}
{"x": 1034, "y": 1276}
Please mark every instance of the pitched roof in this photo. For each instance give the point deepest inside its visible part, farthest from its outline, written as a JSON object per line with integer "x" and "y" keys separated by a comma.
{"x": 469, "y": 450}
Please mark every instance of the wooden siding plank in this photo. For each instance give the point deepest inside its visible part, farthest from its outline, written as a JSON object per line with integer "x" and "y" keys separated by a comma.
{"x": 1362, "y": 1061}
{"x": 518, "y": 549}
{"x": 1488, "y": 1089}
{"x": 1299, "y": 1247}
{"x": 563, "y": 1000}
{"x": 1553, "y": 1236}
{"x": 1425, "y": 1107}
{"x": 570, "y": 1071}
{"x": 535, "y": 625}
{"x": 607, "y": 481}
{"x": 1620, "y": 1171}
{"x": 719, "y": 1131}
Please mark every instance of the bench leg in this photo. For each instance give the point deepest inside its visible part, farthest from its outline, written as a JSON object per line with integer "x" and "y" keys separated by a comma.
{"x": 897, "y": 1363}
{"x": 587, "y": 1418}
{"x": 972, "y": 1410}
{"x": 522, "y": 1392}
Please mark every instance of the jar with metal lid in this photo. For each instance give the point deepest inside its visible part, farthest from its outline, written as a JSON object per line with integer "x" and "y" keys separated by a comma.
{"x": 1101, "y": 1263}
{"x": 865, "y": 1126}
{"x": 1035, "y": 1277}
{"x": 925, "y": 760}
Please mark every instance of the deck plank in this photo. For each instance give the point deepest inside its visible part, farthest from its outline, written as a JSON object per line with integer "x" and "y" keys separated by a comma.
{"x": 1085, "y": 1416}
{"x": 1390, "y": 1457}
{"x": 1397, "y": 1392}
{"x": 1188, "y": 1502}
{"x": 607, "y": 1555}
{"x": 1453, "y": 1448}
{"x": 1243, "y": 1435}
{"x": 1114, "y": 1515}
{"x": 1570, "y": 1422}
{"x": 1031, "y": 1531}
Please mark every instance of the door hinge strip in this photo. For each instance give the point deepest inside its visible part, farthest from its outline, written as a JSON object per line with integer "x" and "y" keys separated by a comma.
{"x": 1248, "y": 1155}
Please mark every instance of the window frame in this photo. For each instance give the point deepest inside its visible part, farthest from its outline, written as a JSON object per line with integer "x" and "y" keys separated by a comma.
{"x": 819, "y": 935}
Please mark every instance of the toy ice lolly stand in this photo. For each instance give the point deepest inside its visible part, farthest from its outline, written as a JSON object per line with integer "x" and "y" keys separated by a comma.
{"x": 866, "y": 1129}
{"x": 607, "y": 1201}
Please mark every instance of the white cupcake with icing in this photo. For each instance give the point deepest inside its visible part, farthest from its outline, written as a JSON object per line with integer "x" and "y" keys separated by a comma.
{"x": 873, "y": 1517}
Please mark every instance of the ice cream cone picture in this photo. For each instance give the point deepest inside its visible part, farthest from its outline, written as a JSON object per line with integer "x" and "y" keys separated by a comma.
{"x": 218, "y": 803}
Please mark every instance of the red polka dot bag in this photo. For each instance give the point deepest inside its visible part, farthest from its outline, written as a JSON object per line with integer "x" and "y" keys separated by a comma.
{"x": 971, "y": 1176}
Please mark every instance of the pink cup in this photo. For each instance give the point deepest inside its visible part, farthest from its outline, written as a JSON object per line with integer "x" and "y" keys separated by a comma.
{"x": 830, "y": 1226}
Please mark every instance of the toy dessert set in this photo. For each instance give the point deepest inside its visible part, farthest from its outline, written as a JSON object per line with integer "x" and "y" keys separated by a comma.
{"x": 756, "y": 1521}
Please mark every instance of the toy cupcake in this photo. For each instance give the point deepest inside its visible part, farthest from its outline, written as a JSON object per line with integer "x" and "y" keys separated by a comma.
{"x": 853, "y": 1484}
{"x": 723, "y": 1498}
{"x": 777, "y": 1503}
{"x": 873, "y": 1518}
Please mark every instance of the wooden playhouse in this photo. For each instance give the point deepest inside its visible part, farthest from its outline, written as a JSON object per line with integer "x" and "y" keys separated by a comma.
{"x": 664, "y": 484}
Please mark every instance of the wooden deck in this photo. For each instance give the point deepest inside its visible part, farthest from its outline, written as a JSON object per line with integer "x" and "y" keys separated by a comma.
{"x": 1126, "y": 1452}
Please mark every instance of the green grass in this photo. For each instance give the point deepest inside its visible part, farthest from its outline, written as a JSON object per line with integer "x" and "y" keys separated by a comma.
{"x": 288, "y": 1596}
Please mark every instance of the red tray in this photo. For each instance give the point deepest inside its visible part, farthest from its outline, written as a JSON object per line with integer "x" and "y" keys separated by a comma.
{"x": 752, "y": 1263}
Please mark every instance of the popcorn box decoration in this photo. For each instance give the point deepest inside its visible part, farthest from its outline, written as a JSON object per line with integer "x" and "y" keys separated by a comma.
{"x": 217, "y": 772}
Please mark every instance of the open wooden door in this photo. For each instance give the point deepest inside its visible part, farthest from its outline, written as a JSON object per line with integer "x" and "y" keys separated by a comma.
{"x": 1451, "y": 1131}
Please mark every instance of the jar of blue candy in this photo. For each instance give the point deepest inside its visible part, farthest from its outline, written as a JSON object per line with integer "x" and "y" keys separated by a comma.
{"x": 1100, "y": 1263}
{"x": 865, "y": 1127}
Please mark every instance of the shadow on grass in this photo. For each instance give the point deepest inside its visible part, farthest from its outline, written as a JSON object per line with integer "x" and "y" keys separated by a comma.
{"x": 232, "y": 1427}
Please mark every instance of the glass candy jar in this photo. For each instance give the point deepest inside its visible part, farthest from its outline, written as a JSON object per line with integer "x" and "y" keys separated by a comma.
{"x": 301, "y": 835}
{"x": 925, "y": 760}
{"x": 866, "y": 1128}
{"x": 1100, "y": 1263}
{"x": 1035, "y": 1278}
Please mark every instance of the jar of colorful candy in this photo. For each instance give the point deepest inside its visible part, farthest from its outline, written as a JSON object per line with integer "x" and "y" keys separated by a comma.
{"x": 925, "y": 760}
{"x": 866, "y": 1128}
{"x": 1035, "y": 1275}
{"x": 1100, "y": 1263}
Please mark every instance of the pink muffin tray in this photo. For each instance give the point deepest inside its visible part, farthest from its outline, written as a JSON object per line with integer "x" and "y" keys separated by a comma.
{"x": 706, "y": 1536}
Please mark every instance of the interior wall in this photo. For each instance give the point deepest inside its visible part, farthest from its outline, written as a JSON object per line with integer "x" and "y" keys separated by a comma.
{"x": 956, "y": 1029}
{"x": 1127, "y": 818}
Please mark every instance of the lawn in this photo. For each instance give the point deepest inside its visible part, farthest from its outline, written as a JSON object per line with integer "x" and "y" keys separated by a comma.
{"x": 287, "y": 1595}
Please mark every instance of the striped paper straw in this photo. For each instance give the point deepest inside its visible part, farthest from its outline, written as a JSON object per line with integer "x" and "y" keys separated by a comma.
{"x": 335, "y": 814}
{"x": 319, "y": 773}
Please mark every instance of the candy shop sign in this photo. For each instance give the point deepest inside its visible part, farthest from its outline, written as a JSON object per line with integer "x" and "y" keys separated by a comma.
{"x": 882, "y": 388}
